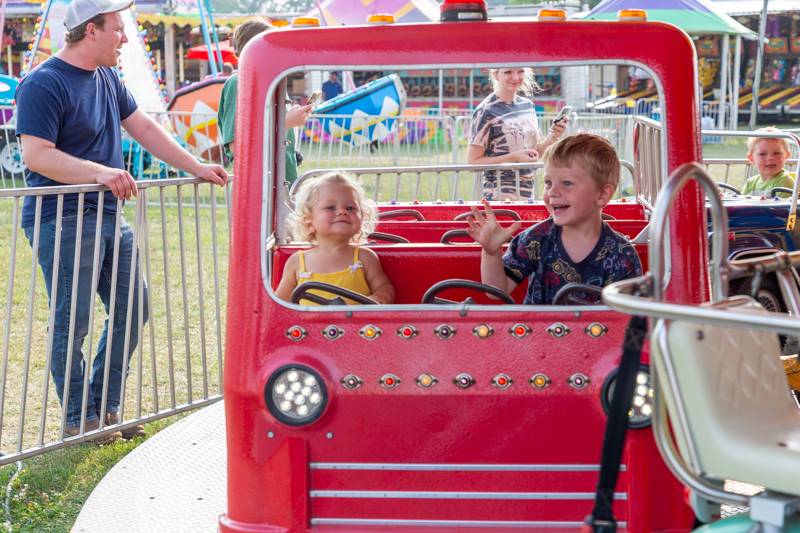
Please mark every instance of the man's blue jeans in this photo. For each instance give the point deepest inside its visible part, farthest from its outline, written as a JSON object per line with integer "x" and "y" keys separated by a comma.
{"x": 62, "y": 301}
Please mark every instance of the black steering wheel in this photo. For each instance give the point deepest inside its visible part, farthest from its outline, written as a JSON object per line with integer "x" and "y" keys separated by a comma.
{"x": 728, "y": 187}
{"x": 775, "y": 191}
{"x": 448, "y": 236}
{"x": 399, "y": 213}
{"x": 301, "y": 292}
{"x": 430, "y": 296}
{"x": 508, "y": 213}
{"x": 379, "y": 236}
{"x": 575, "y": 294}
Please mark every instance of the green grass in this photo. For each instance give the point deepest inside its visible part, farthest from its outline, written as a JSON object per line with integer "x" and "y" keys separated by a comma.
{"x": 50, "y": 490}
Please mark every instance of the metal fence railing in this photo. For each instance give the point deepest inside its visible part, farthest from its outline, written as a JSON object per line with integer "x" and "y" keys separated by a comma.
{"x": 448, "y": 182}
{"x": 167, "y": 294}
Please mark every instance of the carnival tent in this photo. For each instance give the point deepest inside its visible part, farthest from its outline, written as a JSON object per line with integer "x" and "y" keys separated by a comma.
{"x": 695, "y": 17}
{"x": 351, "y": 12}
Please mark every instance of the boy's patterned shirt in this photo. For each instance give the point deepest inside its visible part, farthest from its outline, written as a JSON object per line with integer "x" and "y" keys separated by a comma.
{"x": 538, "y": 254}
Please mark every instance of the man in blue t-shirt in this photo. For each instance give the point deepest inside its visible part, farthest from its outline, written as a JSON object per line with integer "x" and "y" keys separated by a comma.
{"x": 69, "y": 113}
{"x": 332, "y": 88}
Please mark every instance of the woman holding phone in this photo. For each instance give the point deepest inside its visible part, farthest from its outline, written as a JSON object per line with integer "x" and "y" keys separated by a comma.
{"x": 505, "y": 129}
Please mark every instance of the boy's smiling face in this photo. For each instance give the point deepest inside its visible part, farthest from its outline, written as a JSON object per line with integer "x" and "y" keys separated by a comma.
{"x": 769, "y": 156}
{"x": 572, "y": 196}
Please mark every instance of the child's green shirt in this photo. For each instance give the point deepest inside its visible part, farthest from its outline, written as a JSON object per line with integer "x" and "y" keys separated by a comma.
{"x": 756, "y": 186}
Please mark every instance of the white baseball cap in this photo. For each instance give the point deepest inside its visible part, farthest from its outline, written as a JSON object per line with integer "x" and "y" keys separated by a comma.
{"x": 79, "y": 11}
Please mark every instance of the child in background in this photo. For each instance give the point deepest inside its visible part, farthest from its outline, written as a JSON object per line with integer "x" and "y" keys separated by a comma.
{"x": 333, "y": 213}
{"x": 574, "y": 245}
{"x": 769, "y": 156}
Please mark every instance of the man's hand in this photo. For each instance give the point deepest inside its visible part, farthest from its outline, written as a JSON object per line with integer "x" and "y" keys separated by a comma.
{"x": 484, "y": 228}
{"x": 121, "y": 184}
{"x": 213, "y": 173}
{"x": 297, "y": 116}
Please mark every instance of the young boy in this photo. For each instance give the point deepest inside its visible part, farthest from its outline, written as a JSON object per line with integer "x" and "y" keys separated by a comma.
{"x": 574, "y": 245}
{"x": 769, "y": 156}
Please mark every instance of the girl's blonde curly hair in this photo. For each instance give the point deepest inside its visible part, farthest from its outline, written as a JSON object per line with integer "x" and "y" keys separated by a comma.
{"x": 308, "y": 195}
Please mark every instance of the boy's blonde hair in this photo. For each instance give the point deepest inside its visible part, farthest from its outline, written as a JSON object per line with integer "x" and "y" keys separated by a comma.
{"x": 751, "y": 141}
{"x": 593, "y": 153}
{"x": 308, "y": 195}
{"x": 529, "y": 86}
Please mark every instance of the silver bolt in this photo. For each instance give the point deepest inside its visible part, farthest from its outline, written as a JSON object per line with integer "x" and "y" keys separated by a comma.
{"x": 270, "y": 434}
{"x": 329, "y": 434}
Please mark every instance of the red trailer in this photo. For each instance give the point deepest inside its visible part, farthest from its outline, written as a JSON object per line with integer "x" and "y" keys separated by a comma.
{"x": 445, "y": 416}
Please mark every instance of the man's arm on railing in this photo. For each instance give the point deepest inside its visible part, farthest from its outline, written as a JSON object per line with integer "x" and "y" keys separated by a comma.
{"x": 161, "y": 144}
{"x": 43, "y": 157}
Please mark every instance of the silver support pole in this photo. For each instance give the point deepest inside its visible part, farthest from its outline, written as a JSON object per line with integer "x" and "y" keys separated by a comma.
{"x": 723, "y": 82}
{"x": 169, "y": 57}
{"x": 762, "y": 30}
{"x": 737, "y": 64}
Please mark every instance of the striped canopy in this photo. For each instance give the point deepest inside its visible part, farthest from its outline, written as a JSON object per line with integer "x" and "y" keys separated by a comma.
{"x": 352, "y": 12}
{"x": 692, "y": 16}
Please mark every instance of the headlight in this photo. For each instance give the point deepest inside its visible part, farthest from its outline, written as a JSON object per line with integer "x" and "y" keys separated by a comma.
{"x": 295, "y": 395}
{"x": 641, "y": 409}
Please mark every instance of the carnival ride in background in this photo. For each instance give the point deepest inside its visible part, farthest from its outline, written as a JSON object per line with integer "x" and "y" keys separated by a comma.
{"x": 10, "y": 152}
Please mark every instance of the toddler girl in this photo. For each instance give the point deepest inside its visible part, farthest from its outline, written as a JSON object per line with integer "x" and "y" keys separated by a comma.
{"x": 333, "y": 213}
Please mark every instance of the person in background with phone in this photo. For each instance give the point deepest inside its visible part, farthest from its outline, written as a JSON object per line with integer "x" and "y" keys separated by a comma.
{"x": 505, "y": 129}
{"x": 296, "y": 116}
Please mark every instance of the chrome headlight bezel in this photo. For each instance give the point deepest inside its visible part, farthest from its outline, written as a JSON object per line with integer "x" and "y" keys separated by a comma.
{"x": 639, "y": 420}
{"x": 290, "y": 417}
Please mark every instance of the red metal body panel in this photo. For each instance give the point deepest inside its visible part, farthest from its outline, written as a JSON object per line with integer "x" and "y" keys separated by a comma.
{"x": 519, "y": 440}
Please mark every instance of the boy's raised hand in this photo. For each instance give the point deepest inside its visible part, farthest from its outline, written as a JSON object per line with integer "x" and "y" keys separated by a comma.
{"x": 484, "y": 228}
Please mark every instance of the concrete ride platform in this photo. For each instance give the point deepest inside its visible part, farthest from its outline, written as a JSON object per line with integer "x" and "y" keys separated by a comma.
{"x": 173, "y": 482}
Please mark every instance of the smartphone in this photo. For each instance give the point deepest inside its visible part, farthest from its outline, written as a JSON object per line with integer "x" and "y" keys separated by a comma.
{"x": 564, "y": 113}
{"x": 314, "y": 98}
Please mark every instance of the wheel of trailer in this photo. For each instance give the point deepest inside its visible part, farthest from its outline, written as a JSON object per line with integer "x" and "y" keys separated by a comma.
{"x": 769, "y": 296}
{"x": 11, "y": 155}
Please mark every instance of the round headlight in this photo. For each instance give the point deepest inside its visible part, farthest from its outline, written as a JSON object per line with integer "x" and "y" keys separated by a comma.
{"x": 295, "y": 395}
{"x": 641, "y": 411}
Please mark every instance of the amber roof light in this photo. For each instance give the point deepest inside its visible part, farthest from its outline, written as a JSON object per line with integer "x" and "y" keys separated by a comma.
{"x": 305, "y": 22}
{"x": 552, "y": 14}
{"x": 380, "y": 18}
{"x": 632, "y": 15}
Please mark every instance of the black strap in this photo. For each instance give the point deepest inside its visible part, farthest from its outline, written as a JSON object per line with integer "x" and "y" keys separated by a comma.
{"x": 602, "y": 518}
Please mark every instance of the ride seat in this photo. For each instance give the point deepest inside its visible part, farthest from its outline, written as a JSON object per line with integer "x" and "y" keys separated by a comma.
{"x": 742, "y": 421}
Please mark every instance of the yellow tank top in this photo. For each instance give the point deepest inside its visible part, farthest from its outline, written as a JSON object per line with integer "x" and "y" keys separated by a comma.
{"x": 352, "y": 278}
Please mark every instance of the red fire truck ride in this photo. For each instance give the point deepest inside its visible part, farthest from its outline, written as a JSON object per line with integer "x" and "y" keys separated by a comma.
{"x": 431, "y": 413}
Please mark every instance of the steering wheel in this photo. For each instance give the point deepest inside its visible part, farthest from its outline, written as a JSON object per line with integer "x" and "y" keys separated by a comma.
{"x": 301, "y": 292}
{"x": 509, "y": 213}
{"x": 606, "y": 216}
{"x": 430, "y": 296}
{"x": 775, "y": 191}
{"x": 568, "y": 294}
{"x": 728, "y": 187}
{"x": 448, "y": 236}
{"x": 398, "y": 213}
{"x": 380, "y": 236}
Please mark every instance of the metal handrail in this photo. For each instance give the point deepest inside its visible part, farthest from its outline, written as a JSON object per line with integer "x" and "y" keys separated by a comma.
{"x": 719, "y": 217}
{"x": 75, "y": 189}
